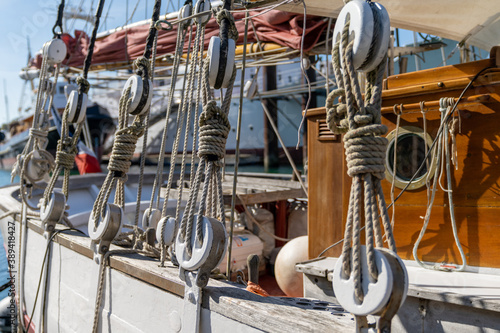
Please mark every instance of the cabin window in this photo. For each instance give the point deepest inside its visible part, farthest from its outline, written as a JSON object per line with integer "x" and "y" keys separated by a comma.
{"x": 410, "y": 154}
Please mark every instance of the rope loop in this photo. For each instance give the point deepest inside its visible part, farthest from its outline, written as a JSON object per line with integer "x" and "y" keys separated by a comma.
{"x": 336, "y": 114}
{"x": 226, "y": 14}
{"x": 214, "y": 129}
{"x": 142, "y": 65}
{"x": 83, "y": 84}
{"x": 66, "y": 158}
{"x": 159, "y": 25}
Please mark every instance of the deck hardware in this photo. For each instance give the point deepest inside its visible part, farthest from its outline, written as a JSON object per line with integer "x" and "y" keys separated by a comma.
{"x": 376, "y": 293}
{"x": 250, "y": 89}
{"x": 368, "y": 50}
{"x": 184, "y": 13}
{"x": 37, "y": 165}
{"x": 166, "y": 230}
{"x": 52, "y": 212}
{"x": 151, "y": 218}
{"x": 215, "y": 53}
{"x": 103, "y": 234}
{"x": 200, "y": 7}
{"x": 77, "y": 114}
{"x": 55, "y": 50}
{"x": 140, "y": 93}
{"x": 206, "y": 255}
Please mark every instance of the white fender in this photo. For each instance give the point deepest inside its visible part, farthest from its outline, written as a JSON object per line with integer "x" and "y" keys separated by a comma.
{"x": 73, "y": 104}
{"x": 376, "y": 294}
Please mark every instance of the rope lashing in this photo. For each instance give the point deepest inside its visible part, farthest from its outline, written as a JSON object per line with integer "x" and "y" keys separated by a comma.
{"x": 83, "y": 84}
{"x": 214, "y": 129}
{"x": 224, "y": 14}
{"x": 359, "y": 118}
{"x": 123, "y": 149}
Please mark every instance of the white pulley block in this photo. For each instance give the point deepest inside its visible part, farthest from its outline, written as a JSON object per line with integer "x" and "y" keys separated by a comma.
{"x": 185, "y": 12}
{"x": 150, "y": 218}
{"x": 69, "y": 88}
{"x": 400, "y": 274}
{"x": 250, "y": 89}
{"x": 214, "y": 51}
{"x": 381, "y": 44}
{"x": 376, "y": 294}
{"x": 109, "y": 227}
{"x": 51, "y": 212}
{"x": 203, "y": 6}
{"x": 166, "y": 230}
{"x": 74, "y": 116}
{"x": 136, "y": 84}
{"x": 360, "y": 29}
{"x": 34, "y": 167}
{"x": 55, "y": 50}
{"x": 214, "y": 242}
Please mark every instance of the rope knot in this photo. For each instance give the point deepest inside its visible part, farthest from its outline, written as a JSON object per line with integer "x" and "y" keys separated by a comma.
{"x": 123, "y": 151}
{"x": 365, "y": 150}
{"x": 83, "y": 84}
{"x": 214, "y": 129}
{"x": 226, "y": 14}
{"x": 336, "y": 114}
{"x": 66, "y": 158}
{"x": 142, "y": 64}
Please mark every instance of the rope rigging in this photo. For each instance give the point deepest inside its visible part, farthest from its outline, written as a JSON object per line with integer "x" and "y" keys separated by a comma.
{"x": 135, "y": 100}
{"x": 201, "y": 240}
{"x": 359, "y": 118}
{"x": 53, "y": 204}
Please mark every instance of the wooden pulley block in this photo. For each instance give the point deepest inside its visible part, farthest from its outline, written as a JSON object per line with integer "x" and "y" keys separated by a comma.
{"x": 221, "y": 62}
{"x": 77, "y": 107}
{"x": 201, "y": 7}
{"x": 165, "y": 230}
{"x": 369, "y": 27}
{"x": 185, "y": 12}
{"x": 141, "y": 92}
{"x": 151, "y": 218}
{"x": 376, "y": 293}
{"x": 250, "y": 89}
{"x": 209, "y": 253}
{"x": 107, "y": 228}
{"x": 52, "y": 210}
{"x": 55, "y": 50}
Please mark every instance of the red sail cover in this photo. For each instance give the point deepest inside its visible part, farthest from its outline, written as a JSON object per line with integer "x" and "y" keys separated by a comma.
{"x": 126, "y": 45}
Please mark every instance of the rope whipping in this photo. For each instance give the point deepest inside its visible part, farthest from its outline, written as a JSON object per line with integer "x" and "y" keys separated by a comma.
{"x": 360, "y": 120}
{"x": 213, "y": 131}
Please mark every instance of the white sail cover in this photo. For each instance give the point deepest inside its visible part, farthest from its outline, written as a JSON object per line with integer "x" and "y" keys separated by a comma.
{"x": 475, "y": 22}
